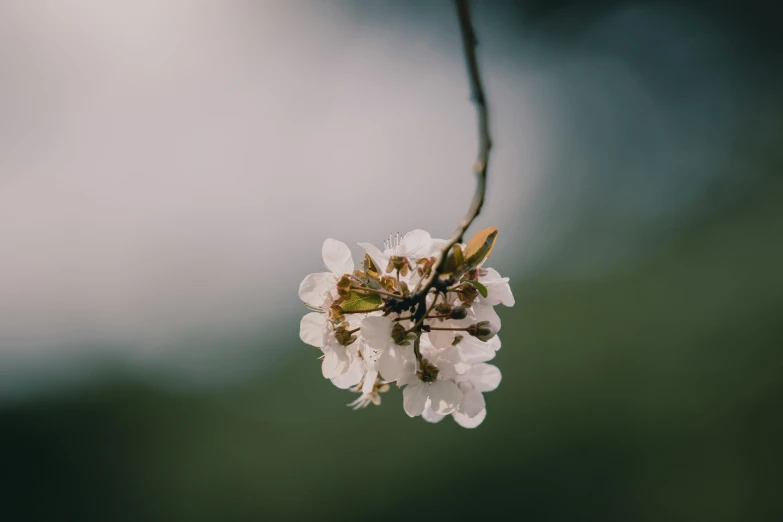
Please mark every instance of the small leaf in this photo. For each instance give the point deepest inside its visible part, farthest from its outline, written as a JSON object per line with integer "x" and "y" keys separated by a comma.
{"x": 459, "y": 257}
{"x": 481, "y": 288}
{"x": 369, "y": 267}
{"x": 454, "y": 261}
{"x": 479, "y": 247}
{"x": 360, "y": 302}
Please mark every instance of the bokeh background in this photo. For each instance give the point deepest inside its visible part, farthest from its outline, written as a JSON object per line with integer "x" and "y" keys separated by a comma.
{"x": 170, "y": 168}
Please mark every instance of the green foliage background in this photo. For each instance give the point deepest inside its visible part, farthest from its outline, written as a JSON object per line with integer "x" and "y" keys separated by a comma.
{"x": 653, "y": 393}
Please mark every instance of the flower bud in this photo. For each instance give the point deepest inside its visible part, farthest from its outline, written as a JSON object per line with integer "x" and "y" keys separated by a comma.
{"x": 424, "y": 266}
{"x": 428, "y": 372}
{"x": 344, "y": 286}
{"x": 389, "y": 284}
{"x": 443, "y": 308}
{"x": 398, "y": 333}
{"x": 459, "y": 312}
{"x": 467, "y": 293}
{"x": 482, "y": 330}
{"x": 343, "y": 335}
{"x": 399, "y": 263}
{"x": 336, "y": 314}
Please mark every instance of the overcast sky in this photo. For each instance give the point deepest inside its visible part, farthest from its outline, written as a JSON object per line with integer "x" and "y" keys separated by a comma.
{"x": 170, "y": 168}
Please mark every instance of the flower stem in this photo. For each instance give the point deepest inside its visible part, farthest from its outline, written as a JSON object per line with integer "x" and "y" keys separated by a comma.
{"x": 444, "y": 316}
{"x": 451, "y": 329}
{"x": 380, "y": 292}
{"x": 416, "y": 348}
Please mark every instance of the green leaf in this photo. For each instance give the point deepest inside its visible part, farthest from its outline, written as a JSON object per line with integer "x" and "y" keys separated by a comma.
{"x": 481, "y": 288}
{"x": 454, "y": 260}
{"x": 459, "y": 258}
{"x": 360, "y": 302}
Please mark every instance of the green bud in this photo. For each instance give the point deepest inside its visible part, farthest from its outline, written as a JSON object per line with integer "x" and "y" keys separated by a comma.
{"x": 399, "y": 263}
{"x": 459, "y": 312}
{"x": 428, "y": 372}
{"x": 398, "y": 333}
{"x": 443, "y": 308}
{"x": 482, "y": 331}
{"x": 467, "y": 293}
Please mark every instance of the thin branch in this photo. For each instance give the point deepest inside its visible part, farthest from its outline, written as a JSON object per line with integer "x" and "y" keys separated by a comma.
{"x": 450, "y": 329}
{"x": 469, "y": 43}
{"x": 417, "y": 348}
{"x": 422, "y": 304}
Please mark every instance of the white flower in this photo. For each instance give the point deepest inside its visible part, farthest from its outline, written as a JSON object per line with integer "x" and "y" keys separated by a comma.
{"x": 498, "y": 289}
{"x": 340, "y": 363}
{"x": 367, "y": 343}
{"x": 441, "y": 393}
{"x": 353, "y": 373}
{"x": 414, "y": 245}
{"x": 473, "y": 350}
{"x": 377, "y": 331}
{"x": 316, "y": 289}
{"x": 371, "y": 389}
{"x": 498, "y": 292}
{"x": 337, "y": 358}
{"x": 477, "y": 380}
{"x": 445, "y": 338}
{"x": 313, "y": 328}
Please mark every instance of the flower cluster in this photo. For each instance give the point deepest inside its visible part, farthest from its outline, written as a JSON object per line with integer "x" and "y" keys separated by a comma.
{"x": 391, "y": 320}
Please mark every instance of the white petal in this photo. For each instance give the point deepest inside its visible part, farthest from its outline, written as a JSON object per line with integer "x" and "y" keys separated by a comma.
{"x": 315, "y": 287}
{"x": 414, "y": 397}
{"x": 336, "y": 361}
{"x": 492, "y": 276}
{"x": 332, "y": 366}
{"x": 377, "y": 331}
{"x": 445, "y": 396}
{"x": 416, "y": 243}
{"x": 408, "y": 375}
{"x": 376, "y": 255}
{"x": 474, "y": 351}
{"x": 498, "y": 289}
{"x": 467, "y": 422}
{"x": 369, "y": 381}
{"x": 485, "y": 377}
{"x": 337, "y": 257}
{"x": 312, "y": 328}
{"x": 351, "y": 377}
{"x": 472, "y": 403}
{"x": 390, "y": 362}
{"x": 447, "y": 361}
{"x": 370, "y": 356}
{"x": 436, "y": 245}
{"x": 431, "y": 416}
{"x": 485, "y": 312}
{"x": 441, "y": 338}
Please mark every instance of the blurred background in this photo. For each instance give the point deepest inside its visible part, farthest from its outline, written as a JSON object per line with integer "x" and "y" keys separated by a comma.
{"x": 170, "y": 168}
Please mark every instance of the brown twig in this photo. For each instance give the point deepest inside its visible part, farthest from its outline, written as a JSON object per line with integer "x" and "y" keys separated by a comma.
{"x": 469, "y": 43}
